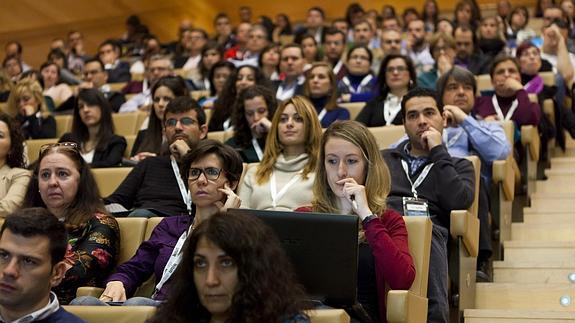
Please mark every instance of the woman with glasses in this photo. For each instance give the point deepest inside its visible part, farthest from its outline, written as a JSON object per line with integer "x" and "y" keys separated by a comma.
{"x": 396, "y": 77}
{"x": 212, "y": 171}
{"x": 320, "y": 87}
{"x": 27, "y": 104}
{"x": 63, "y": 183}
{"x": 284, "y": 178}
{"x": 149, "y": 141}
{"x": 358, "y": 83}
{"x": 352, "y": 178}
{"x": 93, "y": 130}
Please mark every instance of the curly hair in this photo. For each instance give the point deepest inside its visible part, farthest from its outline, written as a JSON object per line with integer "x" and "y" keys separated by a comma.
{"x": 15, "y": 156}
{"x": 267, "y": 290}
{"x": 243, "y": 132}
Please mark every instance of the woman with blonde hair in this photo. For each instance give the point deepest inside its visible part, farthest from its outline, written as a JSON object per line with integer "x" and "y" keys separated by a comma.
{"x": 352, "y": 178}
{"x": 27, "y": 105}
{"x": 321, "y": 88}
{"x": 284, "y": 178}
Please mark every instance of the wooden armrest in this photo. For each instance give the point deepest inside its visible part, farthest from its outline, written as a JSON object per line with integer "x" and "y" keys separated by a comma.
{"x": 89, "y": 291}
{"x": 328, "y": 316}
{"x": 466, "y": 226}
{"x": 503, "y": 173}
{"x": 405, "y": 306}
{"x": 530, "y": 138}
{"x": 549, "y": 110}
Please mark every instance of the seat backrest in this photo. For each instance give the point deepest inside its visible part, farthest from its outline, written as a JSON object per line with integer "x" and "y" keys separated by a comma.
{"x": 131, "y": 236}
{"x": 419, "y": 235}
{"x": 33, "y": 147}
{"x": 125, "y": 123}
{"x": 354, "y": 108}
{"x": 140, "y": 119}
{"x": 385, "y": 136}
{"x": 130, "y": 141}
{"x": 108, "y": 179}
{"x": 548, "y": 78}
{"x": 483, "y": 83}
{"x": 477, "y": 168}
{"x": 208, "y": 113}
{"x": 217, "y": 135}
{"x": 328, "y": 316}
{"x": 63, "y": 124}
{"x": 116, "y": 87}
{"x": 116, "y": 314}
{"x": 152, "y": 223}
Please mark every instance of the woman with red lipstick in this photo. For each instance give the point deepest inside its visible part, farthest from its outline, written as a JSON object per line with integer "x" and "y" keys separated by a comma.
{"x": 212, "y": 171}
{"x": 234, "y": 270}
{"x": 63, "y": 183}
{"x": 93, "y": 131}
{"x": 352, "y": 178}
{"x": 396, "y": 77}
{"x": 284, "y": 178}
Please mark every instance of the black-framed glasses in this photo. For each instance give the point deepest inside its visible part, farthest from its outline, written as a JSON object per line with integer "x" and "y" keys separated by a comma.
{"x": 211, "y": 173}
{"x": 65, "y": 145}
{"x": 185, "y": 121}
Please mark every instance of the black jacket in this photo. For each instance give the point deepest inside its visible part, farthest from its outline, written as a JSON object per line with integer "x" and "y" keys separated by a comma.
{"x": 110, "y": 157}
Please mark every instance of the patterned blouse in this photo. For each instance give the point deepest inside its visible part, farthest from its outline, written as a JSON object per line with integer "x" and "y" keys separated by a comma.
{"x": 91, "y": 256}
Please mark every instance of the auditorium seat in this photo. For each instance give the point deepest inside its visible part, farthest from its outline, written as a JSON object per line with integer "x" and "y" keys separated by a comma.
{"x": 208, "y": 113}
{"x": 33, "y": 147}
{"x": 411, "y": 305}
{"x": 142, "y": 116}
{"x": 197, "y": 95}
{"x": 220, "y": 136}
{"x": 517, "y": 316}
{"x": 116, "y": 314}
{"x": 63, "y": 124}
{"x": 116, "y": 87}
{"x": 385, "y": 136}
{"x": 130, "y": 141}
{"x": 328, "y": 316}
{"x": 108, "y": 179}
{"x": 354, "y": 108}
{"x": 125, "y": 123}
{"x": 532, "y": 144}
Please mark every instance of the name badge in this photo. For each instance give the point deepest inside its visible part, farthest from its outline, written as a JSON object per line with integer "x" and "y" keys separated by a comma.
{"x": 415, "y": 207}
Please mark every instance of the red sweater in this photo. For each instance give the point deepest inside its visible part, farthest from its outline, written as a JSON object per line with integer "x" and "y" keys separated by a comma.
{"x": 387, "y": 238}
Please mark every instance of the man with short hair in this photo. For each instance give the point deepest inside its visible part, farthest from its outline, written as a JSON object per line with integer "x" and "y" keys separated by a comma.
{"x": 109, "y": 53}
{"x": 363, "y": 34}
{"x": 154, "y": 187}
{"x": 95, "y": 76}
{"x": 426, "y": 180}
{"x": 314, "y": 25}
{"x": 258, "y": 39}
{"x": 158, "y": 67}
{"x": 417, "y": 47}
{"x": 391, "y": 41}
{"x": 237, "y": 51}
{"x": 193, "y": 40}
{"x": 291, "y": 65}
{"x": 76, "y": 53}
{"x": 334, "y": 51}
{"x": 341, "y": 25}
{"x": 391, "y": 23}
{"x": 32, "y": 247}
{"x": 246, "y": 14}
{"x": 510, "y": 101}
{"x": 14, "y": 48}
{"x": 467, "y": 55}
{"x": 224, "y": 36}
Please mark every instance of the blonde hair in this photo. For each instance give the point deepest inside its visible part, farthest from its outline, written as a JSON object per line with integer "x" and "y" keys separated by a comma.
{"x": 274, "y": 147}
{"x": 377, "y": 177}
{"x": 35, "y": 90}
{"x": 332, "y": 94}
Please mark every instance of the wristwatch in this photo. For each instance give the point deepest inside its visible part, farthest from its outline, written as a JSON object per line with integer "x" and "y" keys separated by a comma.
{"x": 368, "y": 218}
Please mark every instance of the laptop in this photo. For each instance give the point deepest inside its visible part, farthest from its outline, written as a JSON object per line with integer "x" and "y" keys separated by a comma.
{"x": 323, "y": 249}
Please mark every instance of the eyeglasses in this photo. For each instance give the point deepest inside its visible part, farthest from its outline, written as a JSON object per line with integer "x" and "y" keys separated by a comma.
{"x": 211, "y": 173}
{"x": 64, "y": 145}
{"x": 393, "y": 69}
{"x": 185, "y": 121}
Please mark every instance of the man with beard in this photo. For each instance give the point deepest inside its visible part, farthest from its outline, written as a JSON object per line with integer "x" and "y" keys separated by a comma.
{"x": 417, "y": 47}
{"x": 333, "y": 48}
{"x": 467, "y": 54}
{"x": 154, "y": 187}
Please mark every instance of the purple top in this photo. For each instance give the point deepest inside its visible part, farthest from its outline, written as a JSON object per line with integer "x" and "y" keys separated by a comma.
{"x": 152, "y": 256}
{"x": 535, "y": 86}
{"x": 527, "y": 113}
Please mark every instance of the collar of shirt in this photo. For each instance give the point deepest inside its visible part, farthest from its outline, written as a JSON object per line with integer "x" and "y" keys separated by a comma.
{"x": 40, "y": 314}
{"x": 415, "y": 162}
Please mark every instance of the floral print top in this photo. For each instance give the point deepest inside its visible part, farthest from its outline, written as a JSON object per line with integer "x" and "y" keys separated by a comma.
{"x": 92, "y": 254}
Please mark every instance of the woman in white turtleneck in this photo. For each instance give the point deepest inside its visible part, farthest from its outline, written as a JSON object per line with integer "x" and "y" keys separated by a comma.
{"x": 284, "y": 178}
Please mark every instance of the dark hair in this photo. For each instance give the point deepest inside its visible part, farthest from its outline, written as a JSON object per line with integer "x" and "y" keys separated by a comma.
{"x": 12, "y": 57}
{"x": 210, "y": 45}
{"x": 318, "y": 55}
{"x": 538, "y": 11}
{"x": 223, "y": 106}
{"x": 87, "y": 201}
{"x": 95, "y": 59}
{"x": 330, "y": 31}
{"x": 115, "y": 45}
{"x": 152, "y": 141}
{"x": 267, "y": 25}
{"x": 267, "y": 289}
{"x": 15, "y": 156}
{"x": 220, "y": 64}
{"x": 382, "y": 84}
{"x": 58, "y": 53}
{"x": 412, "y": 11}
{"x": 425, "y": 15}
{"x": 288, "y": 29}
{"x": 37, "y": 221}
{"x": 231, "y": 160}
{"x": 133, "y": 20}
{"x": 459, "y": 75}
{"x": 500, "y": 59}
{"x": 475, "y": 13}
{"x": 243, "y": 133}
{"x": 80, "y": 133}
{"x": 18, "y": 46}
{"x": 354, "y": 47}
{"x": 523, "y": 47}
{"x": 440, "y": 20}
{"x": 419, "y": 92}
{"x": 46, "y": 64}
{"x": 467, "y": 28}
{"x": 318, "y": 9}
{"x": 351, "y": 10}
{"x": 516, "y": 10}
{"x": 292, "y": 45}
{"x": 266, "y": 49}
{"x": 183, "y": 104}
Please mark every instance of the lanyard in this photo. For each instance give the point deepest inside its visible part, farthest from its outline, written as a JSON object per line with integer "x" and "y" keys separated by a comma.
{"x": 321, "y": 114}
{"x": 337, "y": 67}
{"x": 257, "y": 148}
{"x": 273, "y": 189}
{"x": 453, "y": 139}
{"x": 391, "y": 108}
{"x": 363, "y": 83}
{"x": 185, "y": 193}
{"x": 173, "y": 262}
{"x": 507, "y": 117}
{"x": 419, "y": 179}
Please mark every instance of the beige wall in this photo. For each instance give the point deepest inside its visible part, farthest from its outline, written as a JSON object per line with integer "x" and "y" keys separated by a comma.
{"x": 36, "y": 22}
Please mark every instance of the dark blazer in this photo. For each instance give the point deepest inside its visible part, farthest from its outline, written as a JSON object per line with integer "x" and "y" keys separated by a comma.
{"x": 119, "y": 74}
{"x": 37, "y": 128}
{"x": 298, "y": 90}
{"x": 111, "y": 156}
{"x": 372, "y": 114}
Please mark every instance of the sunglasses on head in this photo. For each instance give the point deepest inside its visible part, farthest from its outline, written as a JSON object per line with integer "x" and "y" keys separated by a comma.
{"x": 60, "y": 145}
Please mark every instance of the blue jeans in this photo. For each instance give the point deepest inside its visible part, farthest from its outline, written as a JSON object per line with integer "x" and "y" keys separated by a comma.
{"x": 134, "y": 301}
